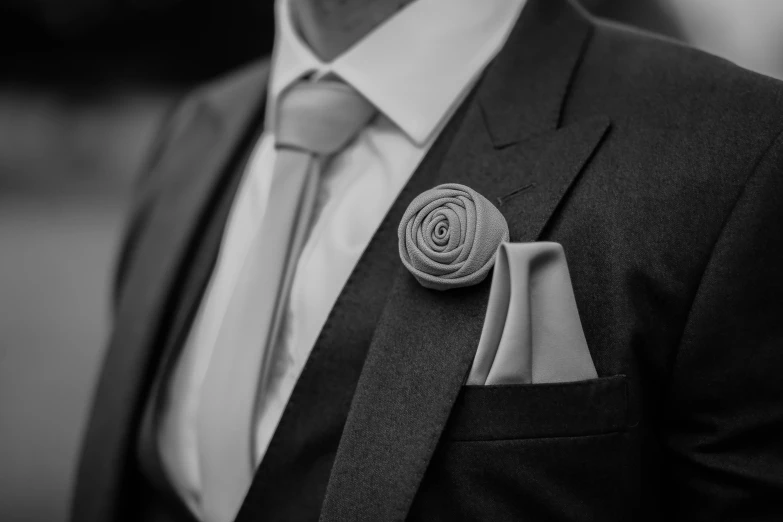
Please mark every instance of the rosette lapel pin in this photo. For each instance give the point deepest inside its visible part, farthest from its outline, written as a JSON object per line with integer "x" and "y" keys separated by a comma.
{"x": 449, "y": 236}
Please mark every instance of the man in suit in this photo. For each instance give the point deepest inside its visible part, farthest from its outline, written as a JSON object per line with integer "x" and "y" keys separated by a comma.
{"x": 655, "y": 166}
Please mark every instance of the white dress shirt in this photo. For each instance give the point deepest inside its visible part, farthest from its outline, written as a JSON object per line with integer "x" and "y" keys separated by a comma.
{"x": 416, "y": 68}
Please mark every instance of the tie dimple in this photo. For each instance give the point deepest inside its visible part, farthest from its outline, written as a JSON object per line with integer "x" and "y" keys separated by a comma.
{"x": 315, "y": 120}
{"x": 320, "y": 117}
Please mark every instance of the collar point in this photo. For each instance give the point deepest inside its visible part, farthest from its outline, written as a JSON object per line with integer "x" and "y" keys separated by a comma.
{"x": 419, "y": 134}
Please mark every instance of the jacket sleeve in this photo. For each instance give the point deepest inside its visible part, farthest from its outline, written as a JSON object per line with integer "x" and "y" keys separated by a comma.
{"x": 724, "y": 415}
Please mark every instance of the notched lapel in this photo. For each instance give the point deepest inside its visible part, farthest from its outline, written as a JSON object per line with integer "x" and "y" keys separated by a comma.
{"x": 543, "y": 174}
{"x": 152, "y": 273}
{"x": 426, "y": 340}
{"x": 206, "y": 133}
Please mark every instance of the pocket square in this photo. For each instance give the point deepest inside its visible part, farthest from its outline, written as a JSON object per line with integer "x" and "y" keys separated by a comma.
{"x": 532, "y": 332}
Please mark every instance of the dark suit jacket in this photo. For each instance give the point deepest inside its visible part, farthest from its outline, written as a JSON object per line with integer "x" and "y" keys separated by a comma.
{"x": 657, "y": 167}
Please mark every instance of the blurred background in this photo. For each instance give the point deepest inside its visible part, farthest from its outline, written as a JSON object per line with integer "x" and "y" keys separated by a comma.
{"x": 83, "y": 84}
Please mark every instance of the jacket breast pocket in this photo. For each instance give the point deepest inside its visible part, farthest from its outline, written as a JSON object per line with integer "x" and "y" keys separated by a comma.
{"x": 537, "y": 452}
{"x": 528, "y": 411}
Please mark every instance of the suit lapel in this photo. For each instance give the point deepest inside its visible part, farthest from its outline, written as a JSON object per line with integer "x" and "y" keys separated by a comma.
{"x": 230, "y": 105}
{"x": 186, "y": 183}
{"x": 511, "y": 150}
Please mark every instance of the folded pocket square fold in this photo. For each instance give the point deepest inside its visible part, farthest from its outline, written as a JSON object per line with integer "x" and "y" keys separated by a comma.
{"x": 532, "y": 332}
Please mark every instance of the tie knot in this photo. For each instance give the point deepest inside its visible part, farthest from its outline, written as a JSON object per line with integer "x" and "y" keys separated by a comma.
{"x": 320, "y": 117}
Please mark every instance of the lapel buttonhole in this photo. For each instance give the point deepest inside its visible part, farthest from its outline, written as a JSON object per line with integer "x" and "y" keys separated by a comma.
{"x": 503, "y": 199}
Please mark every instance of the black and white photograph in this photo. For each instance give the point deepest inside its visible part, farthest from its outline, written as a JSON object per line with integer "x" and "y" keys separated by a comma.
{"x": 391, "y": 260}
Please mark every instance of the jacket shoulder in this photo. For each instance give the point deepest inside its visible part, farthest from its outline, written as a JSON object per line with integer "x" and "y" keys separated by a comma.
{"x": 234, "y": 91}
{"x": 222, "y": 94}
{"x": 243, "y": 83}
{"x": 670, "y": 83}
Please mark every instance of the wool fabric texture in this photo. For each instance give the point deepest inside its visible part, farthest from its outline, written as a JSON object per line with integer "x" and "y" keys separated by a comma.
{"x": 449, "y": 236}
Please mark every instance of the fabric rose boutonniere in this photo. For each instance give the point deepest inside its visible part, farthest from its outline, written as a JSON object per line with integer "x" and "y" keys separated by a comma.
{"x": 449, "y": 236}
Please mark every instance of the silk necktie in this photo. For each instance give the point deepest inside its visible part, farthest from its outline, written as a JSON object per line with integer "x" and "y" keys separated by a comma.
{"x": 314, "y": 121}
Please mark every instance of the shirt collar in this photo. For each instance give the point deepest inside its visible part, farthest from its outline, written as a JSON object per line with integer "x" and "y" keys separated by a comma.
{"x": 413, "y": 68}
